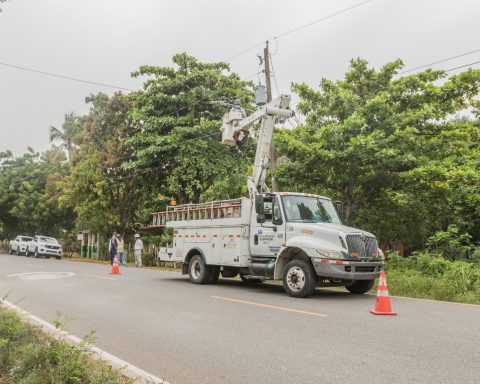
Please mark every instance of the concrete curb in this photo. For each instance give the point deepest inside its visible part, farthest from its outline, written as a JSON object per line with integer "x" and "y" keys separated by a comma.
{"x": 129, "y": 370}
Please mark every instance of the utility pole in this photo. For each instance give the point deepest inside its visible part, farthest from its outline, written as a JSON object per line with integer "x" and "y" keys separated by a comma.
{"x": 273, "y": 154}
{"x": 266, "y": 60}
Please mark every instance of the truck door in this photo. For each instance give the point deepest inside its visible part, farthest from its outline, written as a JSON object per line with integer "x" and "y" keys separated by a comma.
{"x": 267, "y": 238}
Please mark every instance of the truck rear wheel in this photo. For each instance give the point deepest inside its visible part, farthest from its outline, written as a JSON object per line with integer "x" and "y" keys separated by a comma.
{"x": 360, "y": 286}
{"x": 299, "y": 279}
{"x": 198, "y": 271}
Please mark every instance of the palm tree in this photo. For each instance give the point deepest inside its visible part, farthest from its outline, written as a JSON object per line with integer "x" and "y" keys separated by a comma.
{"x": 68, "y": 135}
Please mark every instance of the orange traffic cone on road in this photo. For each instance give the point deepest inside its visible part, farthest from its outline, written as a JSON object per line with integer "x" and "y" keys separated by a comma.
{"x": 115, "y": 269}
{"x": 383, "y": 306}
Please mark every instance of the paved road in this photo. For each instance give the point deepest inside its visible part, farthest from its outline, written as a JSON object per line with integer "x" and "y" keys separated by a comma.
{"x": 229, "y": 333}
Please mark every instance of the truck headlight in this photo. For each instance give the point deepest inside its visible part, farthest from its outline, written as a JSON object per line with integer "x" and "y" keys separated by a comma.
{"x": 331, "y": 254}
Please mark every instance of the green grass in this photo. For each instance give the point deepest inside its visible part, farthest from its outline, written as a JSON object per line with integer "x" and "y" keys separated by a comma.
{"x": 428, "y": 276}
{"x": 28, "y": 356}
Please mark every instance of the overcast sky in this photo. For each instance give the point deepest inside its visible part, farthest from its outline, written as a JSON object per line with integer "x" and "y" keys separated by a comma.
{"x": 105, "y": 40}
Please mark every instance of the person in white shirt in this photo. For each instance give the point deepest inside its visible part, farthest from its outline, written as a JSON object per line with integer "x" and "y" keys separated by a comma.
{"x": 138, "y": 248}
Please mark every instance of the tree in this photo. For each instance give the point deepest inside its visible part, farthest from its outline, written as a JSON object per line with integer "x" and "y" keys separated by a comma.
{"x": 70, "y": 135}
{"x": 389, "y": 148}
{"x": 178, "y": 144}
{"x": 26, "y": 206}
{"x": 103, "y": 194}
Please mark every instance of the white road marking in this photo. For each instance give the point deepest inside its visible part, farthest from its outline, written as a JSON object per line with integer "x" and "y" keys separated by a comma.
{"x": 269, "y": 306}
{"x": 129, "y": 370}
{"x": 42, "y": 275}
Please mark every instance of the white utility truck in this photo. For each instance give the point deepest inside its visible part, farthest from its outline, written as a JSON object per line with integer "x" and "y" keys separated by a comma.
{"x": 289, "y": 236}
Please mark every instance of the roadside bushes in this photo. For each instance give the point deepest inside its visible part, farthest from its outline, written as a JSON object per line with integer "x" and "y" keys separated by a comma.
{"x": 29, "y": 356}
{"x": 430, "y": 276}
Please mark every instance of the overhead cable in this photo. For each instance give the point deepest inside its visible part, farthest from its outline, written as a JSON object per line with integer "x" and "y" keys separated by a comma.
{"x": 65, "y": 77}
{"x": 439, "y": 61}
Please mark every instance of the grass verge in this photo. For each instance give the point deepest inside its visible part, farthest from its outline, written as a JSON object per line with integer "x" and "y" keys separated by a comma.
{"x": 427, "y": 276}
{"x": 29, "y": 356}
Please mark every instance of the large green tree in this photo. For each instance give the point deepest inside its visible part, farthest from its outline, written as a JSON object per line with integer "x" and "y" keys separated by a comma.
{"x": 390, "y": 148}
{"x": 178, "y": 145}
{"x": 103, "y": 194}
{"x": 28, "y": 203}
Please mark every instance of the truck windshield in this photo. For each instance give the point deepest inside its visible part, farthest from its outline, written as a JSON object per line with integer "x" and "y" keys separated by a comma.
{"x": 304, "y": 209}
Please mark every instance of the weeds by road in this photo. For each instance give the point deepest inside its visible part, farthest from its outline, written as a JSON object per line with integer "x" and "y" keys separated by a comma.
{"x": 29, "y": 356}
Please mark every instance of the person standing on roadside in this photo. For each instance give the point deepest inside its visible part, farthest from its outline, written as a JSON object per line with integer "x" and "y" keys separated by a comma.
{"x": 121, "y": 250}
{"x": 138, "y": 248}
{"x": 112, "y": 246}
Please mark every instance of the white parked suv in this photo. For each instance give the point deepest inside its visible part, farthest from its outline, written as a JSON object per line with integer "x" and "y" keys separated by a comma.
{"x": 20, "y": 244}
{"x": 45, "y": 246}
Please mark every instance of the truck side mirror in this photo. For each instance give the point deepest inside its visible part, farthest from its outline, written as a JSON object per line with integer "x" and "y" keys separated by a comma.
{"x": 260, "y": 218}
{"x": 259, "y": 206}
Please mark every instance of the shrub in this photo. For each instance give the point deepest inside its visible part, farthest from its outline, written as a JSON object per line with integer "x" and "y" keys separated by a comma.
{"x": 450, "y": 243}
{"x": 427, "y": 275}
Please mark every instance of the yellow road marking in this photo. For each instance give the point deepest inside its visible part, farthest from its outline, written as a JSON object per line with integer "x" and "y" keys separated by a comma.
{"x": 100, "y": 277}
{"x": 269, "y": 306}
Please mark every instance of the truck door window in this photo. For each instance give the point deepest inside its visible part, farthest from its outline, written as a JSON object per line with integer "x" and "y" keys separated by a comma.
{"x": 276, "y": 213}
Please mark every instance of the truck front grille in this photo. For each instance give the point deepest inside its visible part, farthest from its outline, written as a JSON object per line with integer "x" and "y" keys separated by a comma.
{"x": 361, "y": 246}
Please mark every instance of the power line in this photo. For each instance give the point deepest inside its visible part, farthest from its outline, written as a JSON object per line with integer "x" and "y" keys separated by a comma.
{"x": 303, "y": 26}
{"x": 462, "y": 66}
{"x": 64, "y": 77}
{"x": 440, "y": 61}
{"x": 321, "y": 19}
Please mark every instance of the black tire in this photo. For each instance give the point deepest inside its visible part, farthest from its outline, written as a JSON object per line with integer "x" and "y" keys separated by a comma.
{"x": 10, "y": 251}
{"x": 360, "y": 287}
{"x": 299, "y": 278}
{"x": 58, "y": 257}
{"x": 36, "y": 253}
{"x": 198, "y": 271}
{"x": 18, "y": 251}
{"x": 250, "y": 280}
{"x": 26, "y": 252}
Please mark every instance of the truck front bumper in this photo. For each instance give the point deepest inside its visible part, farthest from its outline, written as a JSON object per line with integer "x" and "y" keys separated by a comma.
{"x": 347, "y": 270}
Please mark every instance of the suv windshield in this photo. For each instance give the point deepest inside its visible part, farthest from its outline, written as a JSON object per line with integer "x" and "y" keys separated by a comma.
{"x": 47, "y": 239}
{"x": 303, "y": 209}
{"x": 26, "y": 238}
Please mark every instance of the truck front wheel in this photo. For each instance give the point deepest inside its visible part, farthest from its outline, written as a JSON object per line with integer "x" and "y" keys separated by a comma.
{"x": 360, "y": 286}
{"x": 198, "y": 271}
{"x": 299, "y": 279}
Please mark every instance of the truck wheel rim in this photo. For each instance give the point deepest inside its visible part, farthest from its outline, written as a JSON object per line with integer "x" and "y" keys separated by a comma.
{"x": 196, "y": 269}
{"x": 295, "y": 279}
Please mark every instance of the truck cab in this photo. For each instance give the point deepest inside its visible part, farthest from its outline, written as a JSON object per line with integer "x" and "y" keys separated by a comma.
{"x": 287, "y": 227}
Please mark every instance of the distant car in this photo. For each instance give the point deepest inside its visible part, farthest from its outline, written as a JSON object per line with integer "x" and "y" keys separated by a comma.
{"x": 20, "y": 245}
{"x": 45, "y": 246}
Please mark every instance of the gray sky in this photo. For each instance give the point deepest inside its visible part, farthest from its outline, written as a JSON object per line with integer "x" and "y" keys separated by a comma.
{"x": 105, "y": 40}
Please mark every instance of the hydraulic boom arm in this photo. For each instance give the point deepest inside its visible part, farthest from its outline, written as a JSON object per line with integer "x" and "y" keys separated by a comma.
{"x": 236, "y": 125}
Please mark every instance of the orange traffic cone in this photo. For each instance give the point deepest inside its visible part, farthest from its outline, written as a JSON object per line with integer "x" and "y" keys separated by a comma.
{"x": 382, "y": 306}
{"x": 115, "y": 269}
